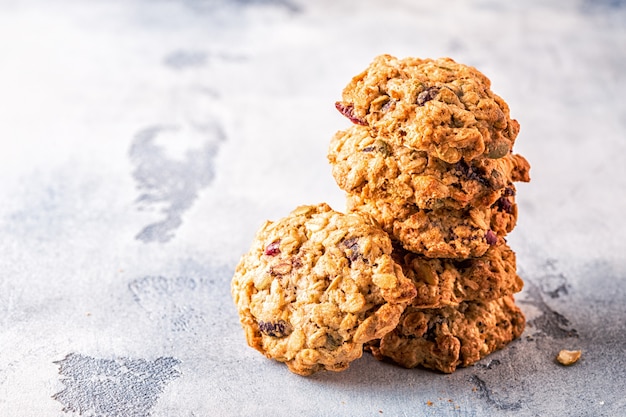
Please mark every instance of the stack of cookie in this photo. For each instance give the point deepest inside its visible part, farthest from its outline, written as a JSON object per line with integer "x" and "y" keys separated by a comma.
{"x": 429, "y": 157}
{"x": 418, "y": 270}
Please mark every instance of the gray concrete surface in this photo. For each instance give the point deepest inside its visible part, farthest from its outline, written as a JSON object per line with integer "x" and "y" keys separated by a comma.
{"x": 144, "y": 142}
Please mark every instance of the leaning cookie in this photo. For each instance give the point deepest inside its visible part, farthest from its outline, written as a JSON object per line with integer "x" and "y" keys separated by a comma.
{"x": 370, "y": 166}
{"x": 443, "y": 233}
{"x": 450, "y": 337}
{"x": 435, "y": 105}
{"x": 449, "y": 282}
{"x": 317, "y": 285}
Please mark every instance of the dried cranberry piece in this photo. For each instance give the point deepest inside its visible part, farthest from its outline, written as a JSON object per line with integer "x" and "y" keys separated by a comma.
{"x": 352, "y": 245}
{"x": 387, "y": 105}
{"x": 279, "y": 328}
{"x": 509, "y": 192}
{"x": 505, "y": 205}
{"x": 348, "y": 111}
{"x": 464, "y": 168}
{"x": 471, "y": 173}
{"x": 427, "y": 95}
{"x": 273, "y": 248}
{"x": 491, "y": 237}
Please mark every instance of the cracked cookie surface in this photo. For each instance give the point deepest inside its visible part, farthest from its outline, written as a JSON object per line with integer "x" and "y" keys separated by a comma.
{"x": 446, "y": 338}
{"x": 316, "y": 285}
{"x": 448, "y": 282}
{"x": 374, "y": 168}
{"x": 435, "y": 105}
{"x": 443, "y": 233}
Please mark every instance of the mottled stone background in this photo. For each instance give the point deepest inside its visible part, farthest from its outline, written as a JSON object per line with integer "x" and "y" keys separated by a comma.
{"x": 144, "y": 142}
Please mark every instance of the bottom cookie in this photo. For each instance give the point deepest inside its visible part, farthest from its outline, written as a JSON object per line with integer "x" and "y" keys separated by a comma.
{"x": 446, "y": 338}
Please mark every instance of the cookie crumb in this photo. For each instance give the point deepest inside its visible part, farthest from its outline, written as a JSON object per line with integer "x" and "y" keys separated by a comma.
{"x": 568, "y": 357}
{"x": 429, "y": 403}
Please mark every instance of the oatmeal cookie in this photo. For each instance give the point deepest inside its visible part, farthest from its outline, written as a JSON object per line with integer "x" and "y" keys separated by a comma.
{"x": 450, "y": 337}
{"x": 370, "y": 166}
{"x": 442, "y": 233}
{"x": 449, "y": 282}
{"x": 317, "y": 285}
{"x": 435, "y": 105}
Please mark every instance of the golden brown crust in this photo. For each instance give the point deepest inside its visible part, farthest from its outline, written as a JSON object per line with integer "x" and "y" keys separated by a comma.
{"x": 375, "y": 168}
{"x": 434, "y": 105}
{"x": 449, "y": 282}
{"x": 442, "y": 233}
{"x": 446, "y": 338}
{"x": 317, "y": 285}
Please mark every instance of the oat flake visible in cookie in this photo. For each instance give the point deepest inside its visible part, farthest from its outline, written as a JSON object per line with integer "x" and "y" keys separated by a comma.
{"x": 444, "y": 282}
{"x": 443, "y": 339}
{"x": 375, "y": 168}
{"x": 443, "y": 233}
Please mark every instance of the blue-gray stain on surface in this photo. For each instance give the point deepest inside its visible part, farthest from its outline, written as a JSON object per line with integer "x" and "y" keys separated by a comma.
{"x": 119, "y": 387}
{"x": 553, "y": 284}
{"x": 181, "y": 59}
{"x": 185, "y": 302}
{"x": 169, "y": 299}
{"x": 609, "y": 5}
{"x": 169, "y": 184}
{"x": 487, "y": 394}
{"x": 208, "y": 6}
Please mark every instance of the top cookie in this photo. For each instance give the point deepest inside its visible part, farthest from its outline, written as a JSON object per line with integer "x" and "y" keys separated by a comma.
{"x": 316, "y": 286}
{"x": 433, "y": 105}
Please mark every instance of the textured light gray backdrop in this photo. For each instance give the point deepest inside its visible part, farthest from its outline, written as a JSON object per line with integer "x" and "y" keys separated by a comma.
{"x": 144, "y": 142}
